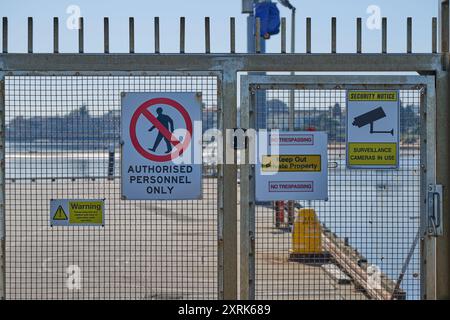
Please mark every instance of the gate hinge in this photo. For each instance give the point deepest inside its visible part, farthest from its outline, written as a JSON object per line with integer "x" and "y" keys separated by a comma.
{"x": 435, "y": 210}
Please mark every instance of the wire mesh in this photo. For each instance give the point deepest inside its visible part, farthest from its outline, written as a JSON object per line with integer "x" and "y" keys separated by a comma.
{"x": 63, "y": 142}
{"x": 372, "y": 216}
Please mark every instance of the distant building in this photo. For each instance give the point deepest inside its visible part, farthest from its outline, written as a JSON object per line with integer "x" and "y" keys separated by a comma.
{"x": 80, "y": 127}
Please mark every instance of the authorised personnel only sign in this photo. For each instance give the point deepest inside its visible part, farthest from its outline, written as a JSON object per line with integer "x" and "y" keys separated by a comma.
{"x": 161, "y": 146}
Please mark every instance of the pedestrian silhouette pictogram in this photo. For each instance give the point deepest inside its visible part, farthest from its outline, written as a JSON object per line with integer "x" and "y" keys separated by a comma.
{"x": 167, "y": 123}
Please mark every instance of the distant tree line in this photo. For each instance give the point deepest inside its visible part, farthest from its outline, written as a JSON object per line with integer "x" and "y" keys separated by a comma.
{"x": 80, "y": 126}
{"x": 77, "y": 125}
{"x": 331, "y": 119}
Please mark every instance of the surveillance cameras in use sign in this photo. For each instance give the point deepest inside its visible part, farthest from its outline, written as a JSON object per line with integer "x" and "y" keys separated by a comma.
{"x": 161, "y": 146}
{"x": 292, "y": 166}
{"x": 373, "y": 124}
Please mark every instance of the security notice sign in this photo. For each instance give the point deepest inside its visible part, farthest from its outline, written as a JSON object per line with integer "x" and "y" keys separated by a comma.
{"x": 294, "y": 166}
{"x": 77, "y": 212}
{"x": 373, "y": 122}
{"x": 161, "y": 146}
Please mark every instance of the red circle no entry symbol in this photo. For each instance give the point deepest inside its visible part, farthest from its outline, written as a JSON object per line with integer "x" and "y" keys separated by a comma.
{"x": 143, "y": 110}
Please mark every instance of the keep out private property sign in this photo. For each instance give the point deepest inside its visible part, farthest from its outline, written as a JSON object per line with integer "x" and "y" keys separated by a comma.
{"x": 294, "y": 167}
{"x": 161, "y": 146}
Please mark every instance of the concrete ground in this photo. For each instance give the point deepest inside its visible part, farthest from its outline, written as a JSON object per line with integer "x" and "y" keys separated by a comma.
{"x": 277, "y": 278}
{"x": 146, "y": 250}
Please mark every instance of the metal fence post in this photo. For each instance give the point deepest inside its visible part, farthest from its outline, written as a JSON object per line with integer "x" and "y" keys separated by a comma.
{"x": 428, "y": 165}
{"x": 2, "y": 194}
{"x": 444, "y": 26}
{"x": 442, "y": 177}
{"x": 442, "y": 157}
{"x": 228, "y": 189}
{"x": 247, "y": 204}
{"x": 5, "y": 35}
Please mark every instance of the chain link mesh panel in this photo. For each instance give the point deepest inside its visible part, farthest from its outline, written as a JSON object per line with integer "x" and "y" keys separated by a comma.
{"x": 372, "y": 216}
{"x": 63, "y": 142}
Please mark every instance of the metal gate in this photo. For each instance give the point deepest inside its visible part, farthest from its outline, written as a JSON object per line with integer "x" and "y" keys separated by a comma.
{"x": 63, "y": 141}
{"x": 374, "y": 219}
{"x": 59, "y": 138}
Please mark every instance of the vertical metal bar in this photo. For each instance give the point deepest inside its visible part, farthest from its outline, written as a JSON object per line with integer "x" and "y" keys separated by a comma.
{"x": 157, "y": 50}
{"x": 258, "y": 35}
{"x": 308, "y": 35}
{"x": 232, "y": 35}
{"x": 333, "y": 35}
{"x": 293, "y": 27}
{"x": 250, "y": 33}
{"x": 409, "y": 35}
{"x": 229, "y": 189}
{"x": 442, "y": 156}
{"x": 384, "y": 36}
{"x": 55, "y": 35}
{"x": 358, "y": 35}
{"x": 292, "y": 104}
{"x": 106, "y": 34}
{"x": 244, "y": 246}
{"x": 442, "y": 177}
{"x": 291, "y": 119}
{"x": 428, "y": 161}
{"x": 30, "y": 35}
{"x": 247, "y": 238}
{"x": 131, "y": 34}
{"x": 182, "y": 34}
{"x": 283, "y": 35}
{"x": 220, "y": 192}
{"x": 81, "y": 35}
{"x": 2, "y": 193}
{"x": 444, "y": 26}
{"x": 5, "y": 35}
{"x": 434, "y": 35}
{"x": 207, "y": 35}
{"x": 252, "y": 209}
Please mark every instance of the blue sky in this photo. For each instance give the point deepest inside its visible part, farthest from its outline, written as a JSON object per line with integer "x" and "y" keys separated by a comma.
{"x": 169, "y": 12}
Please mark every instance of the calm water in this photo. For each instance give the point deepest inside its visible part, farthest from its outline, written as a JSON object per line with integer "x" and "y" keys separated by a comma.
{"x": 378, "y": 211}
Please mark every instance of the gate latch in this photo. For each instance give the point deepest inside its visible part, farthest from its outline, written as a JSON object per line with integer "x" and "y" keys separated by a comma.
{"x": 435, "y": 210}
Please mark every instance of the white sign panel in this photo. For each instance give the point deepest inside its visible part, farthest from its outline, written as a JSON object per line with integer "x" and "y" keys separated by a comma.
{"x": 161, "y": 146}
{"x": 294, "y": 166}
{"x": 373, "y": 122}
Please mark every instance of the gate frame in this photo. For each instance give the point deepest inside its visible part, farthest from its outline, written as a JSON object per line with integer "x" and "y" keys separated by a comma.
{"x": 428, "y": 106}
{"x": 221, "y": 118}
{"x": 230, "y": 64}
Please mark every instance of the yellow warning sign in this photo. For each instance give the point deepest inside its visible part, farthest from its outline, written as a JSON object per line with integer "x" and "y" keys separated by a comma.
{"x": 60, "y": 214}
{"x": 85, "y": 212}
{"x": 291, "y": 163}
{"x": 373, "y": 96}
{"x": 372, "y": 154}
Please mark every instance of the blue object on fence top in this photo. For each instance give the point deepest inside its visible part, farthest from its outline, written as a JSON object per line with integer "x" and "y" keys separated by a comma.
{"x": 269, "y": 16}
